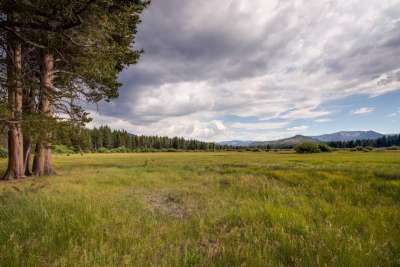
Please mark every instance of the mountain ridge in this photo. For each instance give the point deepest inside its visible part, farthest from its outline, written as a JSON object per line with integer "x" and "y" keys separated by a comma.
{"x": 297, "y": 139}
{"x": 349, "y": 136}
{"x": 287, "y": 142}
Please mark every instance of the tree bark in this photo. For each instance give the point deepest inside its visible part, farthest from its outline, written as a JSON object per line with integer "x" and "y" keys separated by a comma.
{"x": 15, "y": 168}
{"x": 43, "y": 161}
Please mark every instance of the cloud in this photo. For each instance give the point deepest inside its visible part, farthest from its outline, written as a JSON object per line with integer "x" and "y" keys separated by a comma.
{"x": 304, "y": 113}
{"x": 269, "y": 60}
{"x": 323, "y": 120}
{"x": 259, "y": 125}
{"x": 363, "y": 110}
{"x": 301, "y": 128}
{"x": 394, "y": 114}
{"x": 186, "y": 127}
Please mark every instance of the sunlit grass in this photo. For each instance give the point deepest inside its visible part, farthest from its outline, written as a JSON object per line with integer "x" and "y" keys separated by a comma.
{"x": 206, "y": 209}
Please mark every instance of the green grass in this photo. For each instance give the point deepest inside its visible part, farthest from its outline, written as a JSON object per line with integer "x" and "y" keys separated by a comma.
{"x": 206, "y": 209}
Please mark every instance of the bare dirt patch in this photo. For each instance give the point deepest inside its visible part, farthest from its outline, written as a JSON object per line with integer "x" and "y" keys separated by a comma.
{"x": 168, "y": 203}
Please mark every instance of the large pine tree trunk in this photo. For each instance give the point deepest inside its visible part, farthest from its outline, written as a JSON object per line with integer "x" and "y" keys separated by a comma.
{"x": 43, "y": 162}
{"x": 15, "y": 168}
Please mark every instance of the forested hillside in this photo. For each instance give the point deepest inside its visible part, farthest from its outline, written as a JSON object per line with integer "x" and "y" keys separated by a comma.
{"x": 384, "y": 141}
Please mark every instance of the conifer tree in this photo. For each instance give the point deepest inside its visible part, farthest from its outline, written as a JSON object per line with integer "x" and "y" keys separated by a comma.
{"x": 82, "y": 46}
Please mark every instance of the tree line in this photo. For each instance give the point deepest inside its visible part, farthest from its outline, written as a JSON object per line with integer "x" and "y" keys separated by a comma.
{"x": 54, "y": 57}
{"x": 103, "y": 139}
{"x": 384, "y": 141}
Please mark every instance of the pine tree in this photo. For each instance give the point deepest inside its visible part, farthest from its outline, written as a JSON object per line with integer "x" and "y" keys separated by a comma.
{"x": 86, "y": 43}
{"x": 15, "y": 168}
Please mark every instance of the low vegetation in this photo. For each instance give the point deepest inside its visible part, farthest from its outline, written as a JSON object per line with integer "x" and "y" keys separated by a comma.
{"x": 309, "y": 147}
{"x": 206, "y": 209}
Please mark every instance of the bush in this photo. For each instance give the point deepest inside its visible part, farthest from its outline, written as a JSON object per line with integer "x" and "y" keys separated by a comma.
{"x": 325, "y": 148}
{"x": 103, "y": 150}
{"x": 62, "y": 149}
{"x": 168, "y": 150}
{"x": 307, "y": 148}
{"x": 253, "y": 149}
{"x": 121, "y": 149}
{"x": 3, "y": 153}
{"x": 361, "y": 148}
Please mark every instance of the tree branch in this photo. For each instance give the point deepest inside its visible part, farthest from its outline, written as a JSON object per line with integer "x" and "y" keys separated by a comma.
{"x": 19, "y": 36}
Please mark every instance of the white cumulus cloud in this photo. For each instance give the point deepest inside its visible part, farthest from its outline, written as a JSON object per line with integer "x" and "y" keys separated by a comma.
{"x": 363, "y": 110}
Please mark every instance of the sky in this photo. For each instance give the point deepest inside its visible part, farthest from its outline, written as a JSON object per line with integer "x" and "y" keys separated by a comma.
{"x": 261, "y": 70}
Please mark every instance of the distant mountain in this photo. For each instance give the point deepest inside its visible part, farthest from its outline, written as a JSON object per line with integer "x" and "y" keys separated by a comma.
{"x": 348, "y": 136}
{"x": 287, "y": 142}
{"x": 236, "y": 143}
{"x": 298, "y": 139}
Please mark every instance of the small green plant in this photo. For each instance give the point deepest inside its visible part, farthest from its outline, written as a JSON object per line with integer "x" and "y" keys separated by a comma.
{"x": 3, "y": 153}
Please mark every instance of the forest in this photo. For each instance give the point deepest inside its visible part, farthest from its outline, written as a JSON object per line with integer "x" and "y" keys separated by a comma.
{"x": 384, "y": 141}
{"x": 103, "y": 139}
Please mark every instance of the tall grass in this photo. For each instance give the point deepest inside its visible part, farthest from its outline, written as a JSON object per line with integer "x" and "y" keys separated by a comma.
{"x": 206, "y": 209}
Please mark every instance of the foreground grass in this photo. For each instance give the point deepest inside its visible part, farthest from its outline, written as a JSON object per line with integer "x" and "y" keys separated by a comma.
{"x": 206, "y": 209}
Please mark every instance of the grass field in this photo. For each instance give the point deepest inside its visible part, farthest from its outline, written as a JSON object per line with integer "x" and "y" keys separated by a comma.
{"x": 206, "y": 209}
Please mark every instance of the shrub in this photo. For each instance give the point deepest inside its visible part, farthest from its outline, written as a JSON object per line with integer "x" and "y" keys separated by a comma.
{"x": 148, "y": 150}
{"x": 121, "y": 149}
{"x": 62, "y": 149}
{"x": 253, "y": 149}
{"x": 103, "y": 150}
{"x": 3, "y": 153}
{"x": 307, "y": 148}
{"x": 364, "y": 149}
{"x": 324, "y": 148}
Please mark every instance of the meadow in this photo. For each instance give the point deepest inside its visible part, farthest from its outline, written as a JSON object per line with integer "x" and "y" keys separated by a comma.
{"x": 206, "y": 209}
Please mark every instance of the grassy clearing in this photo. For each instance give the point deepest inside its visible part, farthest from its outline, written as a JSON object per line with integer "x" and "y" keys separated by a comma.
{"x": 206, "y": 209}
